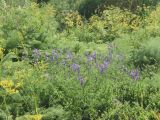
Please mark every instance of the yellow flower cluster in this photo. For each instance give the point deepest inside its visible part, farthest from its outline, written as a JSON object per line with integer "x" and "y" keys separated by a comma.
{"x": 114, "y": 20}
{"x": 154, "y": 17}
{"x": 96, "y": 23}
{"x": 153, "y": 22}
{"x": 1, "y": 53}
{"x": 73, "y": 19}
{"x": 134, "y": 23}
{"x": 9, "y": 86}
{"x": 35, "y": 117}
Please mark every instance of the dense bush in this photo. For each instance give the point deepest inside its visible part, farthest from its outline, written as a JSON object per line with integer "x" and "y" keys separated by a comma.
{"x": 146, "y": 48}
{"x": 89, "y": 7}
{"x": 148, "y": 53}
{"x": 100, "y": 29}
{"x": 26, "y": 27}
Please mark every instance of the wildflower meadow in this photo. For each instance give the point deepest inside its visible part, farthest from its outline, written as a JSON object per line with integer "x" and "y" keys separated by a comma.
{"x": 79, "y": 60}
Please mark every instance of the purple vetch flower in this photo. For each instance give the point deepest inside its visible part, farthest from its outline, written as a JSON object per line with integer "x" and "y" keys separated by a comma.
{"x": 86, "y": 53}
{"x": 88, "y": 56}
{"x": 75, "y": 67}
{"x": 104, "y": 66}
{"x": 36, "y": 55}
{"x": 54, "y": 52}
{"x": 91, "y": 57}
{"x": 64, "y": 62}
{"x": 135, "y": 74}
{"x": 54, "y": 56}
{"x": 69, "y": 56}
{"x": 81, "y": 80}
{"x": 94, "y": 55}
{"x": 106, "y": 63}
{"x": 46, "y": 56}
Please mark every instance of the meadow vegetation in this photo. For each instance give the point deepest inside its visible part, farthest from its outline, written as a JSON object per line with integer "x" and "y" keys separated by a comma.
{"x": 79, "y": 60}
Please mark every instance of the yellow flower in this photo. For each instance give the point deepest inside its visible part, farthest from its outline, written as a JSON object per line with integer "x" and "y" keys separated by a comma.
{"x": 73, "y": 19}
{"x": 8, "y": 85}
{"x": 35, "y": 117}
{"x": 11, "y": 91}
{"x": 1, "y": 53}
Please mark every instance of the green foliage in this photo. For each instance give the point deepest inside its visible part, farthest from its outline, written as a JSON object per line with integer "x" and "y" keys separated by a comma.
{"x": 56, "y": 64}
{"x": 89, "y": 7}
{"x": 148, "y": 53}
{"x": 26, "y": 27}
{"x": 100, "y": 29}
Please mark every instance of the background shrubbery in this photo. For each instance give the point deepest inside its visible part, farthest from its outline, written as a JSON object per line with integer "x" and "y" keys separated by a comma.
{"x": 26, "y": 27}
{"x": 89, "y": 7}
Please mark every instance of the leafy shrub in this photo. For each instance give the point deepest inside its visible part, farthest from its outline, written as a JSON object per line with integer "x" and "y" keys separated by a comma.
{"x": 148, "y": 53}
{"x": 100, "y": 29}
{"x": 66, "y": 4}
{"x": 16, "y": 2}
{"x": 153, "y": 22}
{"x": 126, "y": 111}
{"x": 112, "y": 23}
{"x": 88, "y": 7}
{"x": 26, "y": 27}
{"x": 71, "y": 19}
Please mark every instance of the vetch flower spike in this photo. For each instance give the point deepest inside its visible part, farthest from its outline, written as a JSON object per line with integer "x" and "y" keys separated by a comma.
{"x": 81, "y": 80}
{"x": 75, "y": 67}
{"x": 135, "y": 74}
